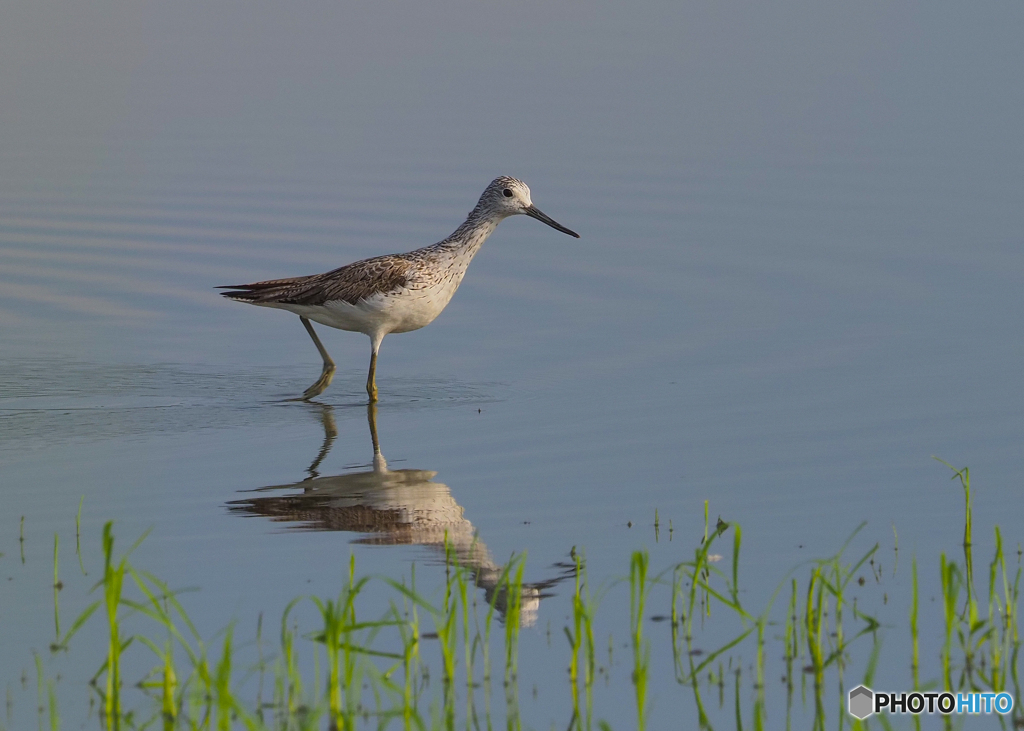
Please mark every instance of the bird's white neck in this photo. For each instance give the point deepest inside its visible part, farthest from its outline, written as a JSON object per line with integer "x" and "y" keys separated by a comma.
{"x": 470, "y": 236}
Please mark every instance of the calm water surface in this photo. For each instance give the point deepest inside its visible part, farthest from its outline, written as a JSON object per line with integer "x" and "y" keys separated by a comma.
{"x": 799, "y": 278}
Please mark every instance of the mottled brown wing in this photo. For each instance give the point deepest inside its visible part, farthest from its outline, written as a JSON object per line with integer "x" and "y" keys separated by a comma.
{"x": 350, "y": 283}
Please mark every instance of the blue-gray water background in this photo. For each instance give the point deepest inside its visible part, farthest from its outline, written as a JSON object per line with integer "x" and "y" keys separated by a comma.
{"x": 799, "y": 278}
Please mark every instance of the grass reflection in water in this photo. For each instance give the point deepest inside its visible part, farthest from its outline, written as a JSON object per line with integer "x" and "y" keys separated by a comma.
{"x": 376, "y": 671}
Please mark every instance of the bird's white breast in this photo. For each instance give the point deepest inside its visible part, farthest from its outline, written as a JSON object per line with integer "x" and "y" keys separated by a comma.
{"x": 403, "y": 309}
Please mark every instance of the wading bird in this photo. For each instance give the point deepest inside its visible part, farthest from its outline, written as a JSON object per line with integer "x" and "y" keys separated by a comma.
{"x": 394, "y": 293}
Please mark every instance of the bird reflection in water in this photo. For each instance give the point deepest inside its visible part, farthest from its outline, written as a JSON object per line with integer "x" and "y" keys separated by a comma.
{"x": 391, "y": 507}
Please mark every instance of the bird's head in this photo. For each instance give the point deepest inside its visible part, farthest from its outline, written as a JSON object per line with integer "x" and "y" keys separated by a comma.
{"x": 506, "y": 197}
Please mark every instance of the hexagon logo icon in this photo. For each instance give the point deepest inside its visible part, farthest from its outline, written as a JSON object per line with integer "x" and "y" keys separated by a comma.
{"x": 861, "y": 702}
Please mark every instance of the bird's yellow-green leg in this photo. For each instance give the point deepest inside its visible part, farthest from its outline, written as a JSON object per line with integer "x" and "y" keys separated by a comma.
{"x": 328, "y": 372}
{"x": 371, "y": 380}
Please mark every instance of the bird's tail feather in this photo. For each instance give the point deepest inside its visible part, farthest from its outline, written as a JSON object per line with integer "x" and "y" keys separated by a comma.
{"x": 259, "y": 292}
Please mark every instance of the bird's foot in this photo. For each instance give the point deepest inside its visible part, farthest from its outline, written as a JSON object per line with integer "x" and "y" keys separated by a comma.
{"x": 321, "y": 384}
{"x": 371, "y": 391}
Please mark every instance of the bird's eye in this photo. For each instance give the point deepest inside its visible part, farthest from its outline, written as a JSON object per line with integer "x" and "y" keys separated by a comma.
{"x": 507, "y": 193}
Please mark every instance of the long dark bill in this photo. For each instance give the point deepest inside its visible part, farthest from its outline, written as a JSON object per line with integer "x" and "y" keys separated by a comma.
{"x": 534, "y": 212}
